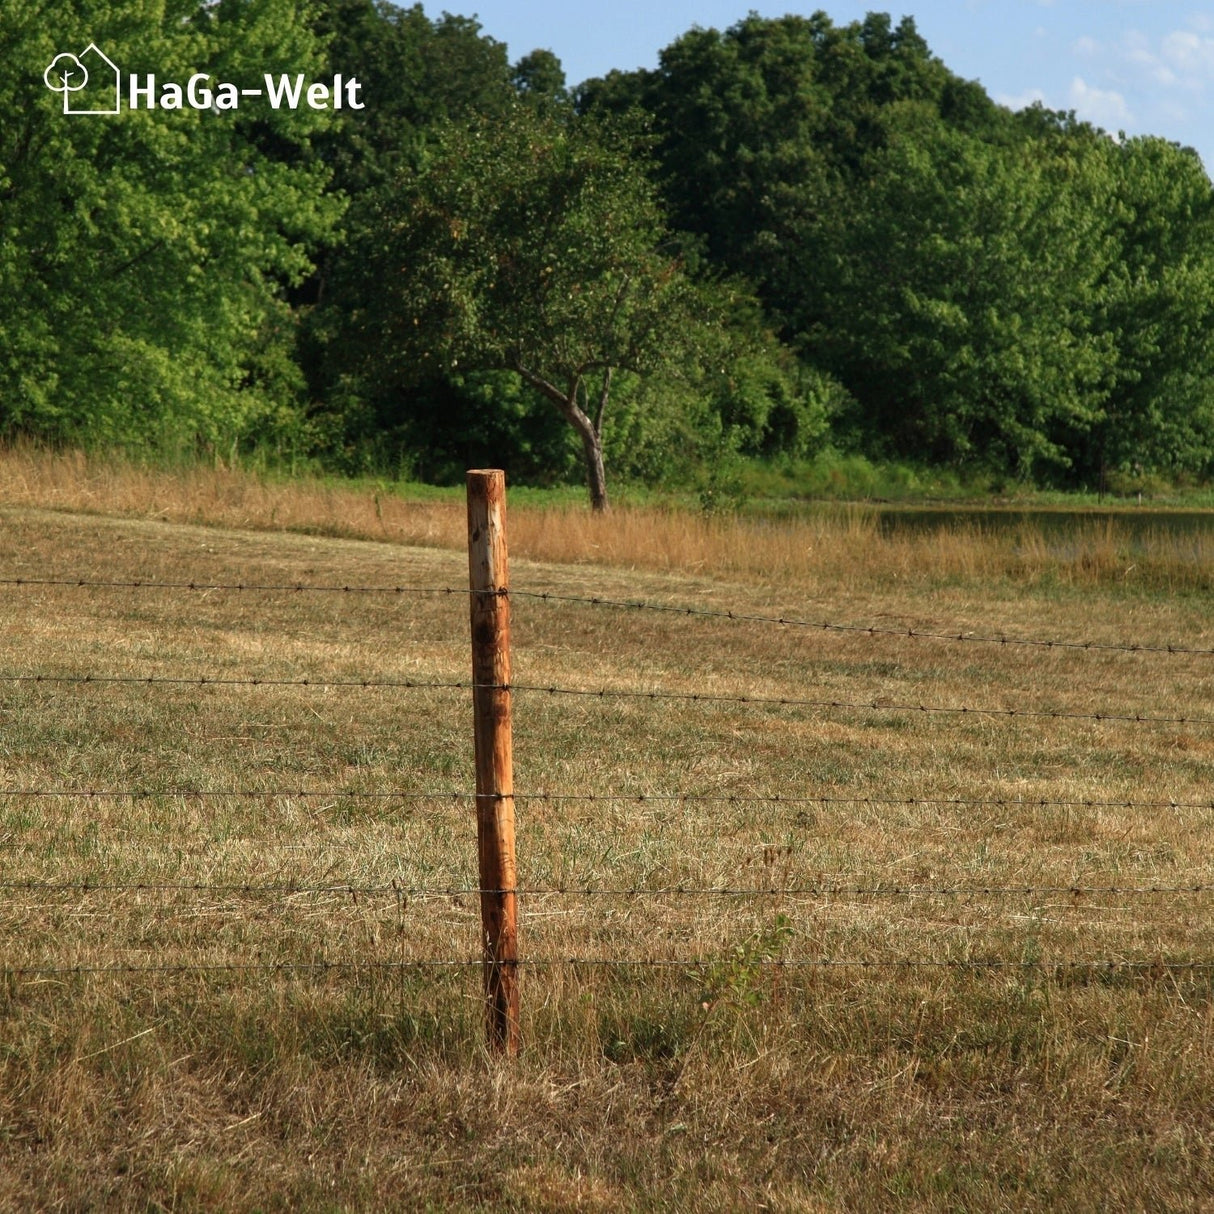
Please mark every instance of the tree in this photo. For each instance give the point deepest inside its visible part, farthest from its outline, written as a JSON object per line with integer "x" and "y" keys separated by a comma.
{"x": 533, "y": 244}
{"x": 145, "y": 253}
{"x": 765, "y": 129}
{"x": 415, "y": 72}
{"x": 539, "y": 77}
{"x": 960, "y": 304}
{"x": 1157, "y": 310}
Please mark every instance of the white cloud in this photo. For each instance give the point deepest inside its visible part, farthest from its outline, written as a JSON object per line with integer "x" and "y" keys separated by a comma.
{"x": 1087, "y": 46}
{"x": 1150, "y": 65}
{"x": 1191, "y": 54}
{"x": 1181, "y": 59}
{"x": 1020, "y": 101}
{"x": 1104, "y": 107}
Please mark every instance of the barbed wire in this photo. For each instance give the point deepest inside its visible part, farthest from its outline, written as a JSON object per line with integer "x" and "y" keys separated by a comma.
{"x": 856, "y": 705}
{"x": 144, "y": 794}
{"x": 393, "y": 889}
{"x": 399, "y": 892}
{"x": 292, "y": 587}
{"x": 219, "y": 681}
{"x": 870, "y": 630}
{"x": 787, "y": 621}
{"x": 695, "y": 697}
{"x": 286, "y": 889}
{"x": 687, "y": 964}
{"x": 235, "y": 967}
{"x": 839, "y": 799}
{"x": 640, "y": 798}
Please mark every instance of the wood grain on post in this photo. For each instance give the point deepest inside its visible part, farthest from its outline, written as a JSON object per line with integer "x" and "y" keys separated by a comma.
{"x": 489, "y": 581}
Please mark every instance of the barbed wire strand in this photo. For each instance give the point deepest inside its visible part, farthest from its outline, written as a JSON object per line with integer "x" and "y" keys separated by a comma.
{"x": 143, "y": 794}
{"x": 695, "y": 697}
{"x": 870, "y": 630}
{"x": 856, "y": 705}
{"x": 641, "y": 798}
{"x": 218, "y": 681}
{"x": 1044, "y": 965}
{"x": 838, "y": 799}
{"x": 292, "y": 587}
{"x": 396, "y": 890}
{"x": 787, "y": 621}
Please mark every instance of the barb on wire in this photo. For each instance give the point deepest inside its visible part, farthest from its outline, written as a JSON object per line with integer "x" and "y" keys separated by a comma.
{"x": 699, "y": 697}
{"x": 871, "y": 630}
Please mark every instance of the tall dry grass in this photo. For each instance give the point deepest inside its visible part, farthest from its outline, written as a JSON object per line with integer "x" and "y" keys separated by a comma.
{"x": 829, "y": 548}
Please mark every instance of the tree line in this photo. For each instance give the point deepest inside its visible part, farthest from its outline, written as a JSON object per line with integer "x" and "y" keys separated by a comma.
{"x": 791, "y": 235}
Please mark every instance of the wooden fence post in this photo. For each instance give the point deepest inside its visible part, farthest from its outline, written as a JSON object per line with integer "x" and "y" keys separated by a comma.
{"x": 489, "y": 581}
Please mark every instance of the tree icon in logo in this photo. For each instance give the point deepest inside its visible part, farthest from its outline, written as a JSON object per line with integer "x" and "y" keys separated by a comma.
{"x": 66, "y": 74}
{"x": 69, "y": 74}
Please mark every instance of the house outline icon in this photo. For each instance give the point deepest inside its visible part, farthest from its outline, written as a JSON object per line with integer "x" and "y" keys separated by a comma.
{"x": 100, "y": 71}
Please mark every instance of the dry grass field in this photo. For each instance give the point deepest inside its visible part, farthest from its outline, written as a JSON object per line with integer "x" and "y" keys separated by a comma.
{"x": 212, "y": 1002}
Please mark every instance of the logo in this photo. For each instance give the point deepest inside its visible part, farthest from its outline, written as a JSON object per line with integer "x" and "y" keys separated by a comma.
{"x": 83, "y": 89}
{"x": 91, "y": 83}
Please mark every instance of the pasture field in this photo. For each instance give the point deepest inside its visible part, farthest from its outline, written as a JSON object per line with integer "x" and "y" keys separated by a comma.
{"x": 212, "y": 1001}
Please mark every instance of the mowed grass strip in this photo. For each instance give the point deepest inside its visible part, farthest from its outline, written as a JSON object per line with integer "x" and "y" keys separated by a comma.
{"x": 254, "y": 1018}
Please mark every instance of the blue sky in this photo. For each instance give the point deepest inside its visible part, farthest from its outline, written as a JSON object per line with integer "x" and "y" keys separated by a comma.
{"x": 1142, "y": 66}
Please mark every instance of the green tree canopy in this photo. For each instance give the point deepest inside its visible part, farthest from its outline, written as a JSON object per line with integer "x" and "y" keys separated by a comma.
{"x": 145, "y": 252}
{"x": 764, "y": 129}
{"x": 532, "y": 244}
{"x": 960, "y": 304}
{"x": 790, "y": 232}
{"x": 416, "y": 72}
{"x": 1156, "y": 310}
{"x": 1018, "y": 292}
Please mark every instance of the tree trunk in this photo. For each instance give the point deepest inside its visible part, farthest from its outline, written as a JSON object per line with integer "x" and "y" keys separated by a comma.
{"x": 592, "y": 443}
{"x": 596, "y": 475}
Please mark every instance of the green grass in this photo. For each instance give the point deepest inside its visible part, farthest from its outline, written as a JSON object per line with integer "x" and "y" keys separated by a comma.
{"x": 768, "y": 486}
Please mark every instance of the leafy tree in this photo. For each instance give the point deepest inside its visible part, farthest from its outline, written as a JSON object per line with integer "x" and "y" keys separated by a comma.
{"x": 539, "y": 77}
{"x": 415, "y": 72}
{"x": 535, "y": 245}
{"x": 764, "y": 130}
{"x": 1157, "y": 310}
{"x": 145, "y": 253}
{"x": 962, "y": 295}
